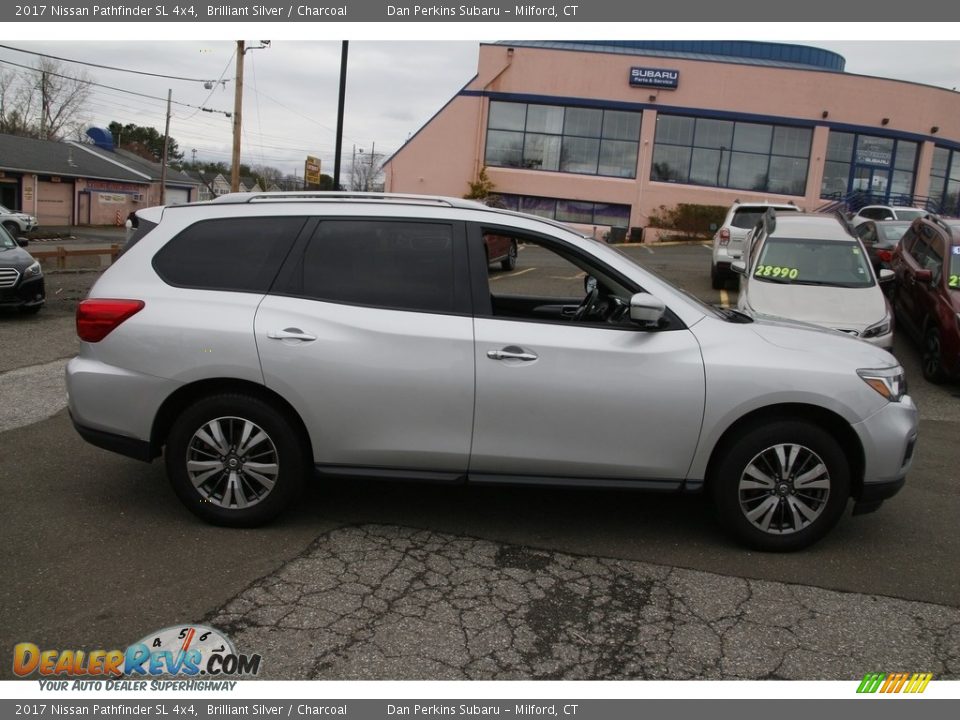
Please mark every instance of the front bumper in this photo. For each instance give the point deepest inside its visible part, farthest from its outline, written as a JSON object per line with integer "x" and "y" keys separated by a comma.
{"x": 27, "y": 293}
{"x": 889, "y": 438}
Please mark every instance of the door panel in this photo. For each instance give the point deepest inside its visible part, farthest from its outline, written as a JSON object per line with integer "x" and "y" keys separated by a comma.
{"x": 594, "y": 402}
{"x": 377, "y": 387}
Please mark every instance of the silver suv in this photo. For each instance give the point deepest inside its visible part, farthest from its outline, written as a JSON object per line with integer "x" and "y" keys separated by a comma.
{"x": 257, "y": 338}
{"x": 728, "y": 240}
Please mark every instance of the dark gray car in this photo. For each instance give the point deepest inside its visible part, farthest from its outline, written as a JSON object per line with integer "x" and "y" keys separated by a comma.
{"x": 21, "y": 279}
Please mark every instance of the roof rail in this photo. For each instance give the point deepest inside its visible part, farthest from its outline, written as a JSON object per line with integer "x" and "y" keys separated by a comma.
{"x": 322, "y": 195}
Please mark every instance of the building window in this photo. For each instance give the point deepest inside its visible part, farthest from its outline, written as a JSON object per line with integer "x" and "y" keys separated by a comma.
{"x": 585, "y": 141}
{"x": 731, "y": 154}
{"x": 880, "y": 167}
{"x": 945, "y": 180}
{"x": 581, "y": 212}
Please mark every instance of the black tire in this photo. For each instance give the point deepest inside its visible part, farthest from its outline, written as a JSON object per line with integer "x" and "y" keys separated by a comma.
{"x": 13, "y": 229}
{"x": 788, "y": 525}
{"x": 716, "y": 279}
{"x": 931, "y": 357}
{"x": 246, "y": 497}
{"x": 510, "y": 261}
{"x": 31, "y": 310}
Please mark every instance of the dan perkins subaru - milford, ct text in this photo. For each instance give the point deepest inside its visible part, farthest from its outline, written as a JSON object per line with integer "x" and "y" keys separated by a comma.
{"x": 480, "y": 11}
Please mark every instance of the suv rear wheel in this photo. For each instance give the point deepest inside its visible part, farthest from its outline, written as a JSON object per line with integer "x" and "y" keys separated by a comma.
{"x": 510, "y": 261}
{"x": 235, "y": 460}
{"x": 781, "y": 486}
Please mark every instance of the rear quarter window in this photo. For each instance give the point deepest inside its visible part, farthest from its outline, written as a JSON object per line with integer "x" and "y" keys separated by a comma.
{"x": 241, "y": 254}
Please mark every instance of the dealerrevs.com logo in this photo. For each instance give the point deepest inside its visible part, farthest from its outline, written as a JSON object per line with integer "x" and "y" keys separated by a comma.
{"x": 179, "y": 651}
{"x": 887, "y": 683}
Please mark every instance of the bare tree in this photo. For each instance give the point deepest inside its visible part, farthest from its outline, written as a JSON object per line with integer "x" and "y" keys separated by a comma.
{"x": 366, "y": 174}
{"x": 47, "y": 102}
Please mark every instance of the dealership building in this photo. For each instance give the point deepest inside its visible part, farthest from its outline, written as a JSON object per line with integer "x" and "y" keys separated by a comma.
{"x": 603, "y": 133}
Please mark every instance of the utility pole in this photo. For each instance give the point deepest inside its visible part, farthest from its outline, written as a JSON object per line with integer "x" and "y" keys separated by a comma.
{"x": 237, "y": 107}
{"x": 343, "y": 92}
{"x": 166, "y": 145}
{"x": 43, "y": 105}
{"x": 366, "y": 184}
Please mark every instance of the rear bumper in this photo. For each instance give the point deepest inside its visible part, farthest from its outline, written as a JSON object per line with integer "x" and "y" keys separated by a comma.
{"x": 121, "y": 444}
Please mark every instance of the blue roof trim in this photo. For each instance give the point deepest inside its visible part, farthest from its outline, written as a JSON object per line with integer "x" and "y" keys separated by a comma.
{"x": 710, "y": 113}
{"x": 733, "y": 51}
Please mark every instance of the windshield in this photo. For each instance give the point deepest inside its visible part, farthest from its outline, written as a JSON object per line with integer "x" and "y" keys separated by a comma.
{"x": 813, "y": 262}
{"x": 909, "y": 214}
{"x": 892, "y": 232}
{"x": 6, "y": 242}
{"x": 954, "y": 279}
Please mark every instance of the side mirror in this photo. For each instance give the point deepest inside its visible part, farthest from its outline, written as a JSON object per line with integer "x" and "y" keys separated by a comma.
{"x": 887, "y": 275}
{"x": 739, "y": 267}
{"x": 646, "y": 309}
{"x": 22, "y": 241}
{"x": 923, "y": 276}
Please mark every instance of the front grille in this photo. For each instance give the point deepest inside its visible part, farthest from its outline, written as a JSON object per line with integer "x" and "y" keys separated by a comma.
{"x": 8, "y": 277}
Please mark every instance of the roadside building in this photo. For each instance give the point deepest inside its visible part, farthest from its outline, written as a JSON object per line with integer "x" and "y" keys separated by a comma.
{"x": 180, "y": 187}
{"x": 61, "y": 184}
{"x": 602, "y": 134}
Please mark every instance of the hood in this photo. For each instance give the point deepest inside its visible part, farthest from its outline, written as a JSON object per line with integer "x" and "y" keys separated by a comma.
{"x": 831, "y": 307}
{"x": 803, "y": 337}
{"x": 16, "y": 257}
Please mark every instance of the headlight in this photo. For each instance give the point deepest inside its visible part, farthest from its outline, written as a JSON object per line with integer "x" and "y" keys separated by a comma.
{"x": 889, "y": 382}
{"x": 877, "y": 329}
{"x": 32, "y": 271}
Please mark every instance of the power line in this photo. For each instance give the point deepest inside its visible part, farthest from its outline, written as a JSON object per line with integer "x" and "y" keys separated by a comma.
{"x": 110, "y": 67}
{"x": 109, "y": 87}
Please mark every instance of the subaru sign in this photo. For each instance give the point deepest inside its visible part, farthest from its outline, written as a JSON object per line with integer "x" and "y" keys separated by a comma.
{"x": 654, "y": 77}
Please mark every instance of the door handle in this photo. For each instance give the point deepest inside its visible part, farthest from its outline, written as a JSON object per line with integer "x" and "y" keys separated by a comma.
{"x": 290, "y": 334}
{"x": 511, "y": 352}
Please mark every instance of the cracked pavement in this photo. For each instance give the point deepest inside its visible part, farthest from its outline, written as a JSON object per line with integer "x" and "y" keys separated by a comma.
{"x": 378, "y": 602}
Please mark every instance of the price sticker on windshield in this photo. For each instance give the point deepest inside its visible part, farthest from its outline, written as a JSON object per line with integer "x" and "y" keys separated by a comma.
{"x": 776, "y": 271}
{"x": 954, "y": 281}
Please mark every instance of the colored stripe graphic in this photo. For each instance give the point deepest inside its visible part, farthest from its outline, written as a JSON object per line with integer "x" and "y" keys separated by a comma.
{"x": 894, "y": 682}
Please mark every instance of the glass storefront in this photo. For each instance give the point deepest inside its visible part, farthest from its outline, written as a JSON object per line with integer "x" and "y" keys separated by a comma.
{"x": 945, "y": 180}
{"x": 881, "y": 168}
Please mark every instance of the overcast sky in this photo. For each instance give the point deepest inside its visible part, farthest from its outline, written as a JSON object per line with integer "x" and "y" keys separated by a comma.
{"x": 393, "y": 88}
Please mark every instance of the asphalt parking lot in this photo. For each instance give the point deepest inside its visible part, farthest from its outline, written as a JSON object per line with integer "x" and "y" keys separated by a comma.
{"x": 366, "y": 579}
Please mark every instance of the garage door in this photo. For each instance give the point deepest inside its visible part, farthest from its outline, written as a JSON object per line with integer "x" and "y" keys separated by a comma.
{"x": 54, "y": 204}
{"x": 177, "y": 196}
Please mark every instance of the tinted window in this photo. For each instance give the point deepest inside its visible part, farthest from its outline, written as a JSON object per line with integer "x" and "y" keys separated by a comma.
{"x": 241, "y": 254}
{"x": 401, "y": 265}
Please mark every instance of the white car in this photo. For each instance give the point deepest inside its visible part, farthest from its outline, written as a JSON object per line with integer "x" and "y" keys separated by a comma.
{"x": 17, "y": 223}
{"x": 728, "y": 240}
{"x": 887, "y": 212}
{"x": 809, "y": 268}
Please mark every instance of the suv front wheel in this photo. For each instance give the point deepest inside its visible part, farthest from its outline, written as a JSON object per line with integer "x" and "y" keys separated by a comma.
{"x": 235, "y": 460}
{"x": 781, "y": 486}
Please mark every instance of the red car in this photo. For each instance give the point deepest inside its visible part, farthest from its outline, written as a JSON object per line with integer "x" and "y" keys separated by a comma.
{"x": 926, "y": 296}
{"x": 501, "y": 249}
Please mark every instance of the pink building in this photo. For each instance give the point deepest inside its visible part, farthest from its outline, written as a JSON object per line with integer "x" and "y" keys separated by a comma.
{"x": 601, "y": 134}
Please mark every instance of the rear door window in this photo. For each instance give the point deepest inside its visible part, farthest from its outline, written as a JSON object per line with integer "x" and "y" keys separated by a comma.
{"x": 241, "y": 254}
{"x": 395, "y": 264}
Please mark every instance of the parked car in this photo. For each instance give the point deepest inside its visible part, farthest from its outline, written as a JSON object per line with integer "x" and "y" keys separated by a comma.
{"x": 266, "y": 336}
{"x": 16, "y": 223}
{"x": 886, "y": 212}
{"x": 811, "y": 269}
{"x": 926, "y": 296}
{"x": 21, "y": 278}
{"x": 501, "y": 249}
{"x": 728, "y": 240}
{"x": 880, "y": 237}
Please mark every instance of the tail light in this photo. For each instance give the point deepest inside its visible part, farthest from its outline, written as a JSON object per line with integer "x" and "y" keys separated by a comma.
{"x": 884, "y": 255}
{"x": 98, "y": 318}
{"x": 724, "y": 237}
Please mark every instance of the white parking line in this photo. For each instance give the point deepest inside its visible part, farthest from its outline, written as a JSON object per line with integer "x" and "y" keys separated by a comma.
{"x": 513, "y": 274}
